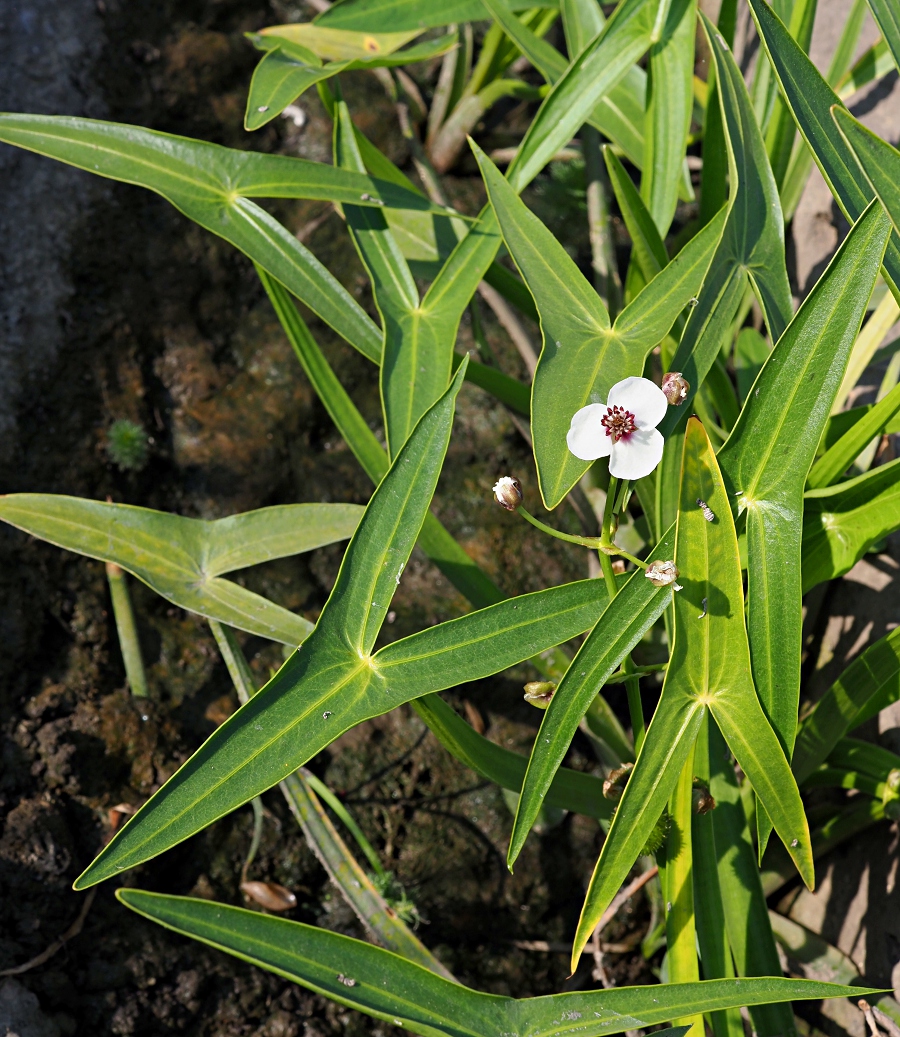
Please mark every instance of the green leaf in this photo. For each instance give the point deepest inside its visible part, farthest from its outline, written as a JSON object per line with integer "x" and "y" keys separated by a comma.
{"x": 570, "y": 790}
{"x": 403, "y": 15}
{"x": 747, "y": 923}
{"x": 879, "y": 161}
{"x": 379, "y": 918}
{"x": 619, "y": 115}
{"x": 387, "y": 987}
{"x": 582, "y": 356}
{"x": 590, "y": 77}
{"x": 751, "y": 351}
{"x": 259, "y": 745}
{"x": 872, "y": 64}
{"x": 752, "y": 241}
{"x": 631, "y": 613}
{"x": 841, "y": 523}
{"x": 709, "y": 668}
{"x": 832, "y": 465}
{"x": 887, "y": 17}
{"x": 329, "y": 687}
{"x": 670, "y": 100}
{"x": 435, "y": 541}
{"x": 298, "y": 789}
{"x": 183, "y": 559}
{"x": 213, "y": 186}
{"x": 712, "y": 934}
{"x": 647, "y": 246}
{"x": 811, "y": 99}
{"x": 342, "y": 44}
{"x": 278, "y": 80}
{"x": 770, "y": 451}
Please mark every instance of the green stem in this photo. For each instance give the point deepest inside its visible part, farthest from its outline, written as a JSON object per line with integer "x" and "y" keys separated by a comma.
{"x": 681, "y": 933}
{"x": 635, "y": 705}
{"x": 602, "y": 543}
{"x": 127, "y": 630}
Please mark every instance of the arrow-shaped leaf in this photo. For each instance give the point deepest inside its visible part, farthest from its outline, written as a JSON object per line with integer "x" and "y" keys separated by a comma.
{"x": 769, "y": 453}
{"x": 183, "y": 558}
{"x": 709, "y": 669}
{"x": 388, "y": 987}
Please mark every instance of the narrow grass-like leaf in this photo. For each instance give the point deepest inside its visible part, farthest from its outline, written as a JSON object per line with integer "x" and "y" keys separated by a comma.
{"x": 752, "y": 241}
{"x": 341, "y": 44}
{"x": 288, "y": 70}
{"x": 582, "y": 355}
{"x": 712, "y": 934}
{"x": 841, "y": 523}
{"x": 670, "y": 97}
{"x": 839, "y": 457}
{"x": 811, "y": 99}
{"x": 749, "y": 930}
{"x": 709, "y": 668}
{"x": 647, "y": 246}
{"x": 434, "y": 539}
{"x": 403, "y": 15}
{"x": 618, "y": 116}
{"x": 621, "y": 625}
{"x": 602, "y": 64}
{"x": 387, "y": 987}
{"x": 887, "y": 17}
{"x": 570, "y": 790}
{"x": 770, "y": 451}
{"x": 183, "y": 559}
{"x": 879, "y": 161}
{"x": 377, "y": 916}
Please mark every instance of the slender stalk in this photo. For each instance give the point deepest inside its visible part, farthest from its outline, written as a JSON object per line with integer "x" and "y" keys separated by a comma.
{"x": 603, "y": 255}
{"x": 635, "y": 705}
{"x": 681, "y": 933}
{"x": 127, "y": 630}
{"x": 600, "y": 543}
{"x": 256, "y": 803}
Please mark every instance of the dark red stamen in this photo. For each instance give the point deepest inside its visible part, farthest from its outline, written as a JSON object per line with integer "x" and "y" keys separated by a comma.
{"x": 618, "y": 423}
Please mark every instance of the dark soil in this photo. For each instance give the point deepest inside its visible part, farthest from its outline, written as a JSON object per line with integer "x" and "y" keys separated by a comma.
{"x": 116, "y": 307}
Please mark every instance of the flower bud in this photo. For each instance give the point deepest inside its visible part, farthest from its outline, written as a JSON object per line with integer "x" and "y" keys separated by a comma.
{"x": 508, "y": 492}
{"x": 662, "y": 573}
{"x": 675, "y": 388}
{"x": 539, "y": 693}
{"x": 615, "y": 784}
{"x": 893, "y": 780}
{"x": 701, "y": 799}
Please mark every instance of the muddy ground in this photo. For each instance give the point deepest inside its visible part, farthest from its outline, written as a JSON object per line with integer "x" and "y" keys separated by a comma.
{"x": 115, "y": 306}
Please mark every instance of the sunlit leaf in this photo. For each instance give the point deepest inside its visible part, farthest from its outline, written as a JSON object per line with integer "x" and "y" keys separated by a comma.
{"x": 183, "y": 559}
{"x": 709, "y": 669}
{"x": 770, "y": 451}
{"x": 387, "y": 987}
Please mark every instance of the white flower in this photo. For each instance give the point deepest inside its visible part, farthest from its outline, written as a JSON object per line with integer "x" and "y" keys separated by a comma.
{"x": 623, "y": 429}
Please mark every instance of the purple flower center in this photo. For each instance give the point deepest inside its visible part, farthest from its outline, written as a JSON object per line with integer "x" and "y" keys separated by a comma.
{"x": 618, "y": 423}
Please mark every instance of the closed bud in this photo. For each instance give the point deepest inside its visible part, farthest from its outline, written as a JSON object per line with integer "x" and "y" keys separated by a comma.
{"x": 269, "y": 895}
{"x": 662, "y": 573}
{"x": 675, "y": 388}
{"x": 615, "y": 784}
{"x": 701, "y": 798}
{"x": 508, "y": 492}
{"x": 539, "y": 693}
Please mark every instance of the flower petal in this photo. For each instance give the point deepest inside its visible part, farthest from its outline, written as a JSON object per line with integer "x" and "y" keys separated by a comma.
{"x": 646, "y": 401}
{"x": 586, "y": 437}
{"x": 636, "y": 455}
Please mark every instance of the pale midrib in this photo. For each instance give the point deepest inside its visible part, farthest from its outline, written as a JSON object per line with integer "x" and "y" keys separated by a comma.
{"x": 460, "y": 646}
